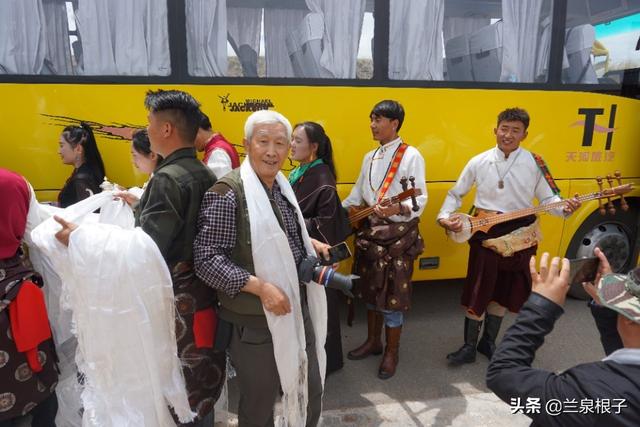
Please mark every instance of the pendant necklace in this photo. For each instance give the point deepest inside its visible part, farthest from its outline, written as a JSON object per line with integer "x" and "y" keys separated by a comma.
{"x": 501, "y": 177}
{"x": 386, "y": 172}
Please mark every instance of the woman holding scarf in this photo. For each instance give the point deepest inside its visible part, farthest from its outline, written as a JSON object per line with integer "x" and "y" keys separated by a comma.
{"x": 314, "y": 184}
{"x": 28, "y": 371}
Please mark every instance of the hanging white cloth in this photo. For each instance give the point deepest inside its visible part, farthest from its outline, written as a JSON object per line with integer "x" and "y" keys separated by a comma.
{"x": 455, "y": 26}
{"x": 415, "y": 40}
{"x": 521, "y": 40}
{"x": 207, "y": 37}
{"x": 341, "y": 38}
{"x": 23, "y": 46}
{"x": 274, "y": 263}
{"x": 244, "y": 26}
{"x": 59, "y": 313}
{"x": 277, "y": 25}
{"x": 121, "y": 296}
{"x": 124, "y": 37}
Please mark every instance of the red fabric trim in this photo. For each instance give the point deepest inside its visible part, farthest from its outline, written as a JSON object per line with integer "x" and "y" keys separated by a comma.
{"x": 205, "y": 323}
{"x": 29, "y": 322}
{"x": 219, "y": 141}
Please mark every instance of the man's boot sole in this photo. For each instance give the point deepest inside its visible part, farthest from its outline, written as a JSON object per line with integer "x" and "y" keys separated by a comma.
{"x": 373, "y": 353}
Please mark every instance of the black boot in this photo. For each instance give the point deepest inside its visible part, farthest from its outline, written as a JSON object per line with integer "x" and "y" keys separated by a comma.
{"x": 487, "y": 344}
{"x": 466, "y": 353}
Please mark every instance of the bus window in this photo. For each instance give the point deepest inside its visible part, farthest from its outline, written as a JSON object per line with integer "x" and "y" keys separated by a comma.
{"x": 601, "y": 41}
{"x": 94, "y": 38}
{"x": 457, "y": 40}
{"x": 280, "y": 38}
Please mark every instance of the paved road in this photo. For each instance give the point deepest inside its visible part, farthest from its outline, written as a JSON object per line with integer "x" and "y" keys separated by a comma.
{"x": 425, "y": 391}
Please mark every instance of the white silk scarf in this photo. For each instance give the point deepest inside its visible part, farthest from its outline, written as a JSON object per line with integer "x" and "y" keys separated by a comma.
{"x": 273, "y": 262}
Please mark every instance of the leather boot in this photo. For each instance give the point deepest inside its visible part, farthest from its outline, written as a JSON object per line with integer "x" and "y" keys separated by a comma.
{"x": 391, "y": 352}
{"x": 466, "y": 353}
{"x": 487, "y": 344}
{"x": 373, "y": 344}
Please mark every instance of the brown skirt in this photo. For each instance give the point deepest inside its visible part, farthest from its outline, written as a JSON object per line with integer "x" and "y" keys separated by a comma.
{"x": 491, "y": 277}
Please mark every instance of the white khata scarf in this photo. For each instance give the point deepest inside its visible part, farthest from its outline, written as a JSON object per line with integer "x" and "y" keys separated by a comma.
{"x": 274, "y": 263}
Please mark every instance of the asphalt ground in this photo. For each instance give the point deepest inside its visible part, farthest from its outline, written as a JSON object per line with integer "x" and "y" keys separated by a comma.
{"x": 425, "y": 390}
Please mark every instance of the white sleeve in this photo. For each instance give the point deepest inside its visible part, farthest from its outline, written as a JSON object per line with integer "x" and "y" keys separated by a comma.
{"x": 219, "y": 162}
{"x": 545, "y": 195}
{"x": 355, "y": 198}
{"x": 453, "y": 201}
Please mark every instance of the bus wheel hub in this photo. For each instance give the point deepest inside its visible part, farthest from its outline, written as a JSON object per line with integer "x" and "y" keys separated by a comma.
{"x": 613, "y": 241}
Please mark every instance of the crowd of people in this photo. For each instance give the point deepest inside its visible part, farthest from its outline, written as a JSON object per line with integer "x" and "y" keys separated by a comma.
{"x": 233, "y": 235}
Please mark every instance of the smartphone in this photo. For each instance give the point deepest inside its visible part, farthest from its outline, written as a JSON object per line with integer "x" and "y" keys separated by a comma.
{"x": 583, "y": 269}
{"x": 337, "y": 253}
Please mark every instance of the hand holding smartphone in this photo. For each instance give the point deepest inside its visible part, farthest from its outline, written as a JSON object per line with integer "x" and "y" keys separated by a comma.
{"x": 583, "y": 269}
{"x": 337, "y": 253}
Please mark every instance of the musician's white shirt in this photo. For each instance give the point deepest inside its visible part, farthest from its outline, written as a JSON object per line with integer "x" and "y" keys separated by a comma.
{"x": 523, "y": 181}
{"x": 366, "y": 190}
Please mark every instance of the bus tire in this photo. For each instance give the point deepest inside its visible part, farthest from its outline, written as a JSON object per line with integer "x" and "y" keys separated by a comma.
{"x": 616, "y": 235}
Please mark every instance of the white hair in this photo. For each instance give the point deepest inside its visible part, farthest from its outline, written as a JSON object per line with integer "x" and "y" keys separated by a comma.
{"x": 265, "y": 117}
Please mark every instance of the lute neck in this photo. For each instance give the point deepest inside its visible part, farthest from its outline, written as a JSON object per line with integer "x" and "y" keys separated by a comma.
{"x": 497, "y": 219}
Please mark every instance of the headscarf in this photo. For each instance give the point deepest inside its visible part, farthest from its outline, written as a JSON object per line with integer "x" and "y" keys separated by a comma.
{"x": 14, "y": 194}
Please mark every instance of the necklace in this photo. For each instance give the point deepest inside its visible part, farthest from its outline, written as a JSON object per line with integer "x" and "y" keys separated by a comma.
{"x": 501, "y": 177}
{"x": 375, "y": 190}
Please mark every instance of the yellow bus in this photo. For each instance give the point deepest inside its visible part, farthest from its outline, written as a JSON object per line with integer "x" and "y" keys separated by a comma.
{"x": 453, "y": 64}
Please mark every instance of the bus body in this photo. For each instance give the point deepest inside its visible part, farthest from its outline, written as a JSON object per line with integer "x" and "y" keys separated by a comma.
{"x": 581, "y": 131}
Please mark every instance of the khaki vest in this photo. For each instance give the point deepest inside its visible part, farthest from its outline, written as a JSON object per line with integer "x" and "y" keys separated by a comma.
{"x": 244, "y": 308}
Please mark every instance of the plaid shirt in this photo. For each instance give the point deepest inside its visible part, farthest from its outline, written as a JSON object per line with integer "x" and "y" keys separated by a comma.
{"x": 217, "y": 236}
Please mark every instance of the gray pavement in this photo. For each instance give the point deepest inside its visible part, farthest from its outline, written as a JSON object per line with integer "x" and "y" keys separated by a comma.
{"x": 425, "y": 391}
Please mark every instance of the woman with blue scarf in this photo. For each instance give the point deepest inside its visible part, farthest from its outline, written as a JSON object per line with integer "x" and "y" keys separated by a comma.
{"x": 314, "y": 183}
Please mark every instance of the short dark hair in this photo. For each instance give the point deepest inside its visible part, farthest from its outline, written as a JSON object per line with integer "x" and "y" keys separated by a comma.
{"x": 181, "y": 108}
{"x": 390, "y": 109}
{"x": 514, "y": 115}
{"x": 205, "y": 123}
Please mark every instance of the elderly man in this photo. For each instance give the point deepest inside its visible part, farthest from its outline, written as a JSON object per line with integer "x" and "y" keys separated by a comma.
{"x": 605, "y": 393}
{"x": 251, "y": 238}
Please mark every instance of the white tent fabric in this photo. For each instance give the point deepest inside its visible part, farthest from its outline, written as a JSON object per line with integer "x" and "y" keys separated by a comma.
{"x": 58, "y": 59}
{"x": 522, "y": 28}
{"x": 415, "y": 40}
{"x": 207, "y": 37}
{"x": 243, "y": 28}
{"x": 277, "y": 25}
{"x": 124, "y": 316}
{"x": 124, "y": 37}
{"x": 455, "y": 26}
{"x": 342, "y": 28}
{"x": 23, "y": 46}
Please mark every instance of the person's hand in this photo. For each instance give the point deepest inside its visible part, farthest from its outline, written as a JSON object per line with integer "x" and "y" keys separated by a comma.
{"x": 603, "y": 268}
{"x": 65, "y": 232}
{"x": 274, "y": 299}
{"x": 387, "y": 211}
{"x": 571, "y": 205}
{"x": 129, "y": 198}
{"x": 321, "y": 248}
{"x": 452, "y": 223}
{"x": 551, "y": 281}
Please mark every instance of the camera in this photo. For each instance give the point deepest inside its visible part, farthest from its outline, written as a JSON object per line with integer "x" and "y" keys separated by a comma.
{"x": 311, "y": 269}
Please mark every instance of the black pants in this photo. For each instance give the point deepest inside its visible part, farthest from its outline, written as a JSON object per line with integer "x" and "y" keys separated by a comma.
{"x": 607, "y": 323}
{"x": 251, "y": 352}
{"x": 43, "y": 415}
{"x": 333, "y": 345}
